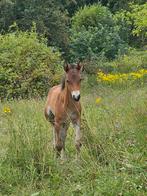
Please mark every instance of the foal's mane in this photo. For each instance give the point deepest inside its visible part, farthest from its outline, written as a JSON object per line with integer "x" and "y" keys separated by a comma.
{"x": 63, "y": 83}
{"x": 72, "y": 66}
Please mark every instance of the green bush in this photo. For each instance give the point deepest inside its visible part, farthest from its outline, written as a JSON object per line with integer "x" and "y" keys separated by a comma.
{"x": 125, "y": 25}
{"x": 139, "y": 17}
{"x": 27, "y": 66}
{"x": 133, "y": 61}
{"x": 94, "y": 32}
{"x": 96, "y": 64}
{"x": 133, "y": 24}
{"x": 92, "y": 16}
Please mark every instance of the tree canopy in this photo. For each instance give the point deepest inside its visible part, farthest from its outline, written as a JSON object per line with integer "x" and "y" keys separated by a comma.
{"x": 56, "y": 20}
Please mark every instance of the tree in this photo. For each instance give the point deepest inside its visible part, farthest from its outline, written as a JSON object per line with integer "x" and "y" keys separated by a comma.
{"x": 6, "y": 14}
{"x": 115, "y": 5}
{"x": 133, "y": 24}
{"x": 139, "y": 16}
{"x": 51, "y": 20}
{"x": 94, "y": 33}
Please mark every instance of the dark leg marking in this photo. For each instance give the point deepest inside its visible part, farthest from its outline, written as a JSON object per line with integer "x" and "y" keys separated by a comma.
{"x": 51, "y": 117}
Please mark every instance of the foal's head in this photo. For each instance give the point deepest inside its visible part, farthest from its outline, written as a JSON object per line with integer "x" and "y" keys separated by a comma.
{"x": 73, "y": 79}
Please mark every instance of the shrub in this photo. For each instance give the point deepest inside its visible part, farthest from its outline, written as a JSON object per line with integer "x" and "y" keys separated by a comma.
{"x": 139, "y": 16}
{"x": 133, "y": 61}
{"x": 124, "y": 23}
{"x": 133, "y": 24}
{"x": 98, "y": 63}
{"x": 94, "y": 33}
{"x": 27, "y": 66}
{"x": 92, "y": 16}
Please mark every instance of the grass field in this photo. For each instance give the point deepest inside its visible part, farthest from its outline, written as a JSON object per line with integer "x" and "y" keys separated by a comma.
{"x": 112, "y": 158}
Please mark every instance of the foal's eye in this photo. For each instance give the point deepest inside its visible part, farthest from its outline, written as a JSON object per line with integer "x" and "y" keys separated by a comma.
{"x": 67, "y": 81}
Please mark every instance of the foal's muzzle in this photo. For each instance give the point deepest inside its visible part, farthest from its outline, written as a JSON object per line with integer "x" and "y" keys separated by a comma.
{"x": 76, "y": 98}
{"x": 76, "y": 95}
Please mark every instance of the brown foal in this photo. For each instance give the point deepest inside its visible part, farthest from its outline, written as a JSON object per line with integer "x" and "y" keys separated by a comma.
{"x": 63, "y": 106}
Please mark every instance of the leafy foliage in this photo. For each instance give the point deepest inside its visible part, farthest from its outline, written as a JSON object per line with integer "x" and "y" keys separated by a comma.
{"x": 92, "y": 16}
{"x": 74, "y": 5}
{"x": 49, "y": 18}
{"x": 139, "y": 16}
{"x": 115, "y": 5}
{"x": 27, "y": 66}
{"x": 94, "y": 33}
{"x": 6, "y": 14}
{"x": 133, "y": 24}
{"x": 131, "y": 62}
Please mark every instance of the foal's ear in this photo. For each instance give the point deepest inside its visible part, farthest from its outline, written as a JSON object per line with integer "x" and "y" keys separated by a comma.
{"x": 80, "y": 66}
{"x": 66, "y": 67}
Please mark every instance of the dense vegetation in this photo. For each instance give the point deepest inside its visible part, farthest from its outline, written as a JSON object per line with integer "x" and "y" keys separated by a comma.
{"x": 27, "y": 66}
{"x": 94, "y": 33}
{"x": 110, "y": 38}
{"x": 54, "y": 18}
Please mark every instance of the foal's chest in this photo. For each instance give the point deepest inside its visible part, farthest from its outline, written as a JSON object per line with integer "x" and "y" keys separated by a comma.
{"x": 71, "y": 115}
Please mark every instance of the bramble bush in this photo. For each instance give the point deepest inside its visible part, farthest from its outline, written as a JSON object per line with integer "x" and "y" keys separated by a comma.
{"x": 27, "y": 66}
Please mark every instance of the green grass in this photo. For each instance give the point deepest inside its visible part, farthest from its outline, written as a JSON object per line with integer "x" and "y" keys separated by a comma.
{"x": 113, "y": 153}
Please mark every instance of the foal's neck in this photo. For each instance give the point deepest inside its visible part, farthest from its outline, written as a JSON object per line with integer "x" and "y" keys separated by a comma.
{"x": 67, "y": 98}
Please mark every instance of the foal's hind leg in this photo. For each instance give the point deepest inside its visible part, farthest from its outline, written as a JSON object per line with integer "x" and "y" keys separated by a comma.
{"x": 58, "y": 142}
{"x": 54, "y": 138}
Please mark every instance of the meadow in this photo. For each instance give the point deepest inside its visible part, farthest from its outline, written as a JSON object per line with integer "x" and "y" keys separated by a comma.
{"x": 36, "y": 40}
{"x": 114, "y": 124}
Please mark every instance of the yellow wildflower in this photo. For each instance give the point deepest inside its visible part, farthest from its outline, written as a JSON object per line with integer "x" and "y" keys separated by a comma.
{"x": 98, "y": 100}
{"x": 136, "y": 75}
{"x": 7, "y": 110}
{"x": 120, "y": 77}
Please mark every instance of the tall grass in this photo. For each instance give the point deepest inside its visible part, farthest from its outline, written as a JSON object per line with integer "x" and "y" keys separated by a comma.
{"x": 113, "y": 153}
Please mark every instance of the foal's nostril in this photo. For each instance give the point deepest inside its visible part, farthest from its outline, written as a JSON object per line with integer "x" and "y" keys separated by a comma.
{"x": 76, "y": 98}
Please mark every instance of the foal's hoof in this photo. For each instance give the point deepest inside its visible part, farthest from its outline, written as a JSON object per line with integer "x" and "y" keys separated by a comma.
{"x": 78, "y": 145}
{"x": 78, "y": 157}
{"x": 59, "y": 147}
{"x": 63, "y": 157}
{"x": 62, "y": 161}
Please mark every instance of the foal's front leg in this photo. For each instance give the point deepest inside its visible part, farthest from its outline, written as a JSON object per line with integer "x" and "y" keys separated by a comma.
{"x": 58, "y": 141}
{"x": 60, "y": 136}
{"x": 63, "y": 134}
{"x": 78, "y": 143}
